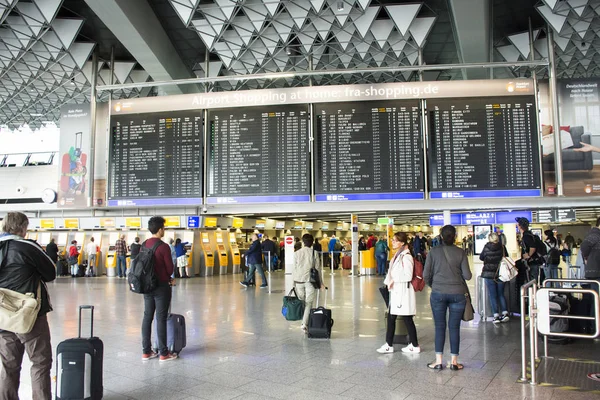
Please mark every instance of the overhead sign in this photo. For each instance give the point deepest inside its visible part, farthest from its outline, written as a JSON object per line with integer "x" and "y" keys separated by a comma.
{"x": 325, "y": 226}
{"x": 238, "y": 223}
{"x": 308, "y": 226}
{"x": 193, "y": 222}
{"x": 47, "y": 223}
{"x": 504, "y": 217}
{"x": 72, "y": 223}
{"x": 107, "y": 222}
{"x": 298, "y": 224}
{"x": 385, "y": 221}
{"x": 567, "y": 215}
{"x": 172, "y": 222}
{"x": 210, "y": 222}
{"x": 546, "y": 216}
{"x": 134, "y": 222}
{"x": 260, "y": 223}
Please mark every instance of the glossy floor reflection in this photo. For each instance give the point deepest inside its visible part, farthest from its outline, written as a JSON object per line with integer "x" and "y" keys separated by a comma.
{"x": 239, "y": 346}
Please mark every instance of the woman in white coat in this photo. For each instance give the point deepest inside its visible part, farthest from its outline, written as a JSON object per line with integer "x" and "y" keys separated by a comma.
{"x": 402, "y": 296}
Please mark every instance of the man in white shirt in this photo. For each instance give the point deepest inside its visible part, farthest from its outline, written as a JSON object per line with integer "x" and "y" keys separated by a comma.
{"x": 91, "y": 249}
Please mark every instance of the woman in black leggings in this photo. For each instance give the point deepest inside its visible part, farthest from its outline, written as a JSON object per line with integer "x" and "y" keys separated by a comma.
{"x": 402, "y": 296}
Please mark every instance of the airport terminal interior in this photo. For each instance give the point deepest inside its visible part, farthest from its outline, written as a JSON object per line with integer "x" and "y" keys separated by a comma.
{"x": 349, "y": 120}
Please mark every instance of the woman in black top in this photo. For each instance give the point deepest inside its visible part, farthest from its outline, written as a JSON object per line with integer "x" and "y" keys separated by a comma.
{"x": 491, "y": 255}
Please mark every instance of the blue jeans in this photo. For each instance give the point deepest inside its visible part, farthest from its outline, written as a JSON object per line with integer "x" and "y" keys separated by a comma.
{"x": 440, "y": 304}
{"x": 381, "y": 261}
{"x": 259, "y": 267}
{"x": 121, "y": 266}
{"x": 496, "y": 291}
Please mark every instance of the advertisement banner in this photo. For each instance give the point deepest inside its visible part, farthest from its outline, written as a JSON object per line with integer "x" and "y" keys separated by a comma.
{"x": 579, "y": 110}
{"x": 74, "y": 151}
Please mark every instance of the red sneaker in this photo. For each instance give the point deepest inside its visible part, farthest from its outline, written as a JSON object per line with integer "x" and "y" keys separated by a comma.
{"x": 149, "y": 356}
{"x": 168, "y": 357}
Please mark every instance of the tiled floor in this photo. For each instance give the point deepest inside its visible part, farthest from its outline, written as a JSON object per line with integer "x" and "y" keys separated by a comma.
{"x": 240, "y": 347}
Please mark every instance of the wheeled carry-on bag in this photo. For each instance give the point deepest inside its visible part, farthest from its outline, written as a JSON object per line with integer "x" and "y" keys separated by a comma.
{"x": 484, "y": 308}
{"x": 79, "y": 365}
{"x": 346, "y": 262}
{"x": 176, "y": 333}
{"x": 319, "y": 320}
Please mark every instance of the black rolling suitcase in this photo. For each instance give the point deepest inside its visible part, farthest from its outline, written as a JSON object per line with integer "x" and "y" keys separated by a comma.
{"x": 79, "y": 366}
{"x": 320, "y": 321}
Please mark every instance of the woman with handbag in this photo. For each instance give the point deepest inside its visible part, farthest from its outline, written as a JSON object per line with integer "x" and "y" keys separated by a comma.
{"x": 305, "y": 260}
{"x": 492, "y": 254}
{"x": 446, "y": 270}
{"x": 402, "y": 296}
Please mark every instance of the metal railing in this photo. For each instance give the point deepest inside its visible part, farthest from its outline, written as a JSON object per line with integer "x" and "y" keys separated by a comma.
{"x": 28, "y": 159}
{"x": 535, "y": 296}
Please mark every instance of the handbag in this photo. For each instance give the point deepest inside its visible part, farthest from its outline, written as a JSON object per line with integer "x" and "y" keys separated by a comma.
{"x": 507, "y": 270}
{"x": 469, "y": 313}
{"x": 315, "y": 278}
{"x": 18, "y": 311}
{"x": 293, "y": 307}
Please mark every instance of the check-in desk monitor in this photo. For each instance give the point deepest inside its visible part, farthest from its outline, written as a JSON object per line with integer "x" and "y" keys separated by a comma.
{"x": 235, "y": 253}
{"x": 208, "y": 264}
{"x": 223, "y": 258}
{"x": 43, "y": 239}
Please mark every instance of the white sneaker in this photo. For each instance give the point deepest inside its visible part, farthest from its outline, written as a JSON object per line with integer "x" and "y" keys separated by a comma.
{"x": 411, "y": 349}
{"x": 385, "y": 349}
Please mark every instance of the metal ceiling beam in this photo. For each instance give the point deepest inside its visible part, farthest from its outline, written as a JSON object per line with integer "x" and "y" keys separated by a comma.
{"x": 471, "y": 26}
{"x": 293, "y": 74}
{"x": 135, "y": 25}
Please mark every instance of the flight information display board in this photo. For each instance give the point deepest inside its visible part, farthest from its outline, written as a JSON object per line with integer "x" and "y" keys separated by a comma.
{"x": 156, "y": 159}
{"x": 483, "y": 147}
{"x": 368, "y": 150}
{"x": 258, "y": 155}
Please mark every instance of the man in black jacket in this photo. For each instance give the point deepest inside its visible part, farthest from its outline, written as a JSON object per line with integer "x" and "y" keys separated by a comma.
{"x": 590, "y": 251}
{"x": 134, "y": 250}
{"x": 268, "y": 247}
{"x": 23, "y": 267}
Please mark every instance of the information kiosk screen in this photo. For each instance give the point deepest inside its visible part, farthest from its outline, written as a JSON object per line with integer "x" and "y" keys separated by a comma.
{"x": 258, "y": 155}
{"x": 483, "y": 147}
{"x": 155, "y": 159}
{"x": 368, "y": 150}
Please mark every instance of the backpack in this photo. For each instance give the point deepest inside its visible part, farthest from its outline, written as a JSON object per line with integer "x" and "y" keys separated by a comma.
{"x": 553, "y": 256}
{"x": 381, "y": 247}
{"x": 142, "y": 278}
{"x": 417, "y": 282}
{"x": 540, "y": 247}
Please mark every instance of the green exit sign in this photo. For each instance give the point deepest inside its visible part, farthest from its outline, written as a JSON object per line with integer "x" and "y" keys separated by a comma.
{"x": 385, "y": 221}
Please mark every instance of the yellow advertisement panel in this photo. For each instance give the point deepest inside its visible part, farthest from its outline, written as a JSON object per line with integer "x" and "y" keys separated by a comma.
{"x": 238, "y": 223}
{"x": 133, "y": 222}
{"x": 172, "y": 222}
{"x": 107, "y": 222}
{"x": 72, "y": 223}
{"x": 210, "y": 222}
{"x": 47, "y": 223}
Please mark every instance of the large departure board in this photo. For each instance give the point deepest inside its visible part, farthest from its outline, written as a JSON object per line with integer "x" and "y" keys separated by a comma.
{"x": 156, "y": 159}
{"x": 258, "y": 154}
{"x": 483, "y": 147}
{"x": 368, "y": 151}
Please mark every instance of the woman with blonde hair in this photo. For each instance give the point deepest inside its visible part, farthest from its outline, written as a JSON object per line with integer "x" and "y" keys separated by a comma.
{"x": 492, "y": 255}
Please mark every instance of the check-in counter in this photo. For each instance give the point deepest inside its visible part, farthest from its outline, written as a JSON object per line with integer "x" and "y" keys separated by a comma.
{"x": 222, "y": 256}
{"x": 236, "y": 257}
{"x": 208, "y": 257}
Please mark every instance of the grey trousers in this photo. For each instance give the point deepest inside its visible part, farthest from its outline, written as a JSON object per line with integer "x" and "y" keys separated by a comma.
{"x": 39, "y": 349}
{"x": 307, "y": 292}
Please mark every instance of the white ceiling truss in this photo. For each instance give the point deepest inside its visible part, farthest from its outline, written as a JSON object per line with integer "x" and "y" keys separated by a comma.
{"x": 42, "y": 66}
{"x": 251, "y": 36}
{"x": 576, "y": 27}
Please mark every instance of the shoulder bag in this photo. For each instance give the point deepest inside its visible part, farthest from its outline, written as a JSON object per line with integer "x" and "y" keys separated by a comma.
{"x": 293, "y": 307}
{"x": 18, "y": 311}
{"x": 469, "y": 313}
{"x": 507, "y": 271}
{"x": 315, "y": 278}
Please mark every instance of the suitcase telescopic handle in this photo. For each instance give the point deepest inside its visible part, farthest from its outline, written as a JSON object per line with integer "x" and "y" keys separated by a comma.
{"x": 91, "y": 308}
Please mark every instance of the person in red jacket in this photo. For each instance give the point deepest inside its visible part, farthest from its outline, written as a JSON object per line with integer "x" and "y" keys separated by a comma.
{"x": 160, "y": 299}
{"x": 74, "y": 258}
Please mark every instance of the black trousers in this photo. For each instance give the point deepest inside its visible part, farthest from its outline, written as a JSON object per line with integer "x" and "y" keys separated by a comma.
{"x": 410, "y": 327}
{"x": 158, "y": 301}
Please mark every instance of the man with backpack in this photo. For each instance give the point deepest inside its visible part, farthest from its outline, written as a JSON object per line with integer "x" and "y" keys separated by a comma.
{"x": 590, "y": 251}
{"x": 533, "y": 251}
{"x": 155, "y": 254}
